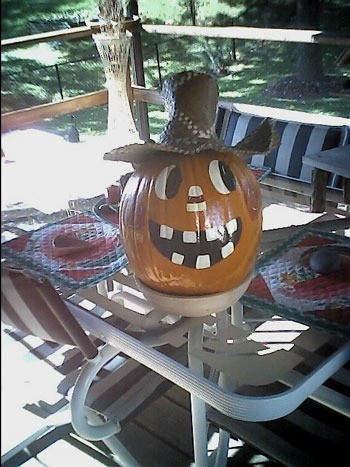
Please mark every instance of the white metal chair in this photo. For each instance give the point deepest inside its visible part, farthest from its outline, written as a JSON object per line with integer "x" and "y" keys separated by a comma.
{"x": 35, "y": 308}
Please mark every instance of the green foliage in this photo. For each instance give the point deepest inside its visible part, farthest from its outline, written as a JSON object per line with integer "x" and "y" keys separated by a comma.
{"x": 244, "y": 68}
{"x": 20, "y": 18}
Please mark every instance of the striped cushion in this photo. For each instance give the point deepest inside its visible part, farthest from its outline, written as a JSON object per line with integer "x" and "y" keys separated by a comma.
{"x": 297, "y": 139}
{"x": 36, "y": 308}
{"x": 121, "y": 388}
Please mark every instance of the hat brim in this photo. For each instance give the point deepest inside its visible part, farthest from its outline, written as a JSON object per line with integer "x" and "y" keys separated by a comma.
{"x": 261, "y": 141}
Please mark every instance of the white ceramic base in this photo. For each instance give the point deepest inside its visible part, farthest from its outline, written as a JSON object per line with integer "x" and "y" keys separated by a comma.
{"x": 193, "y": 306}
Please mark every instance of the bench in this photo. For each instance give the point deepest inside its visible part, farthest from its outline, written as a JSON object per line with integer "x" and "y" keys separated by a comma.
{"x": 301, "y": 134}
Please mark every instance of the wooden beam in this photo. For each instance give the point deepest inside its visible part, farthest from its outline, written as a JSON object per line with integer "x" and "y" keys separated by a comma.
{"x": 151, "y": 96}
{"x": 234, "y": 32}
{"x": 21, "y": 118}
{"x": 263, "y": 34}
{"x": 138, "y": 73}
{"x": 60, "y": 35}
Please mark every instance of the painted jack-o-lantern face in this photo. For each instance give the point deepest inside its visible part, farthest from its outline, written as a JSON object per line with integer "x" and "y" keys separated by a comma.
{"x": 191, "y": 224}
{"x": 191, "y": 212}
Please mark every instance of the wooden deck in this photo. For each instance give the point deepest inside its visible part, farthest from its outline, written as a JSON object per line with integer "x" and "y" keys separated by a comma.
{"x": 162, "y": 436}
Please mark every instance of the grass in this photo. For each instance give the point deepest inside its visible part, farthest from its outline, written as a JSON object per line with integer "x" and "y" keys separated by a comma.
{"x": 29, "y": 76}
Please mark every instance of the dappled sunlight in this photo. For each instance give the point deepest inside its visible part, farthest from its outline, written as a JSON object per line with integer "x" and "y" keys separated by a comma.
{"x": 277, "y": 334}
{"x": 49, "y": 171}
{"x": 279, "y": 215}
{"x": 258, "y": 81}
{"x": 42, "y": 53}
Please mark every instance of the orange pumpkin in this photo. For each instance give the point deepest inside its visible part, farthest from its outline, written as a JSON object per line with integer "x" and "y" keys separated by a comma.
{"x": 191, "y": 224}
{"x": 190, "y": 214}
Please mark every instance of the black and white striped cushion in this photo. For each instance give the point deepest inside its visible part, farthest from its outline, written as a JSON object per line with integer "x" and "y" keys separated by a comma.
{"x": 297, "y": 139}
{"x": 35, "y": 308}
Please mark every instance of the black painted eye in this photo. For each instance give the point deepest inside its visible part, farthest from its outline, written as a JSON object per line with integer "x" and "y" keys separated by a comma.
{"x": 222, "y": 177}
{"x": 168, "y": 182}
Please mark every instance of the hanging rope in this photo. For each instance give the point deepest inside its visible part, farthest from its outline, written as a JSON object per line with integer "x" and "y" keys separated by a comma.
{"x": 113, "y": 45}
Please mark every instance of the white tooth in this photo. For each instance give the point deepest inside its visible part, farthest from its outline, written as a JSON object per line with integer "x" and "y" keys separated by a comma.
{"x": 203, "y": 261}
{"x": 166, "y": 232}
{"x": 196, "y": 207}
{"x": 227, "y": 249}
{"x": 231, "y": 226}
{"x": 211, "y": 234}
{"x": 195, "y": 190}
{"x": 189, "y": 237}
{"x": 177, "y": 258}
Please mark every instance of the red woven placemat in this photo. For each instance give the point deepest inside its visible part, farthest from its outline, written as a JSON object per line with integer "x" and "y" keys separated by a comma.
{"x": 35, "y": 252}
{"x": 285, "y": 283}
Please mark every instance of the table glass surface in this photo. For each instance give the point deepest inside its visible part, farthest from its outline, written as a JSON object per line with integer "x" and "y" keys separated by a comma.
{"x": 285, "y": 284}
{"x": 36, "y": 253}
{"x": 336, "y": 160}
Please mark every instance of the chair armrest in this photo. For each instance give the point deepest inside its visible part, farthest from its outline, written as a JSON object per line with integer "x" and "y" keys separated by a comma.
{"x": 81, "y": 388}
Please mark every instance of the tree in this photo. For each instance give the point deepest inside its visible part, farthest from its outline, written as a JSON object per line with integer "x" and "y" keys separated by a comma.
{"x": 309, "y": 59}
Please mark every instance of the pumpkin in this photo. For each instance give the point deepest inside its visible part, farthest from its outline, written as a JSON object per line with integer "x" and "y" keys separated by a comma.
{"x": 191, "y": 225}
{"x": 191, "y": 213}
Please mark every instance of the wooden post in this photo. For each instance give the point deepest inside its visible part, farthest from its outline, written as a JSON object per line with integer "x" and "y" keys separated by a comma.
{"x": 318, "y": 197}
{"x": 346, "y": 190}
{"x": 59, "y": 82}
{"x": 138, "y": 72}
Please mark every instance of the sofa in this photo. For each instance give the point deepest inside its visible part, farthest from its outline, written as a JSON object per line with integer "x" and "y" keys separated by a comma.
{"x": 301, "y": 133}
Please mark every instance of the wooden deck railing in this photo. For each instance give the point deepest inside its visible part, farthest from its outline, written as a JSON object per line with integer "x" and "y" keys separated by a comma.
{"x": 20, "y": 118}
{"x": 233, "y": 32}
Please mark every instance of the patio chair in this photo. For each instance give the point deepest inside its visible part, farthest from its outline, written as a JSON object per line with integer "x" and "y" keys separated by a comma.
{"x": 97, "y": 405}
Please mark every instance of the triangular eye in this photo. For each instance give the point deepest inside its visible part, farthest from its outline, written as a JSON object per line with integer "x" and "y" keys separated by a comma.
{"x": 168, "y": 182}
{"x": 222, "y": 177}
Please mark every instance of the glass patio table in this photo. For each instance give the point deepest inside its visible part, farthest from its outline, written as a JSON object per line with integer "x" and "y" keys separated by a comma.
{"x": 84, "y": 277}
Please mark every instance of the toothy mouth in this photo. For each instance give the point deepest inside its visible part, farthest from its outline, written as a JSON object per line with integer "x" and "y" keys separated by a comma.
{"x": 198, "y": 250}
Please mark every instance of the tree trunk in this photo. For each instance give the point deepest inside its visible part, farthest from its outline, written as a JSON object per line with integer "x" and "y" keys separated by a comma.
{"x": 309, "y": 59}
{"x": 192, "y": 5}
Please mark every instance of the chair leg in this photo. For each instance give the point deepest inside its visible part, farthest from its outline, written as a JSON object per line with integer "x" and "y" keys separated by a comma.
{"x": 81, "y": 388}
{"x": 120, "y": 454}
{"x": 198, "y": 409}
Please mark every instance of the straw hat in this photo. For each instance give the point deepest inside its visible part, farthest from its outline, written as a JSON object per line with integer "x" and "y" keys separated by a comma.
{"x": 191, "y": 101}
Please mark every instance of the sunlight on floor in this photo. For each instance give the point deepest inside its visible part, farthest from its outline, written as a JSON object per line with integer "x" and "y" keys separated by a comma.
{"x": 278, "y": 216}
{"x": 48, "y": 171}
{"x": 27, "y": 378}
{"x": 53, "y": 456}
